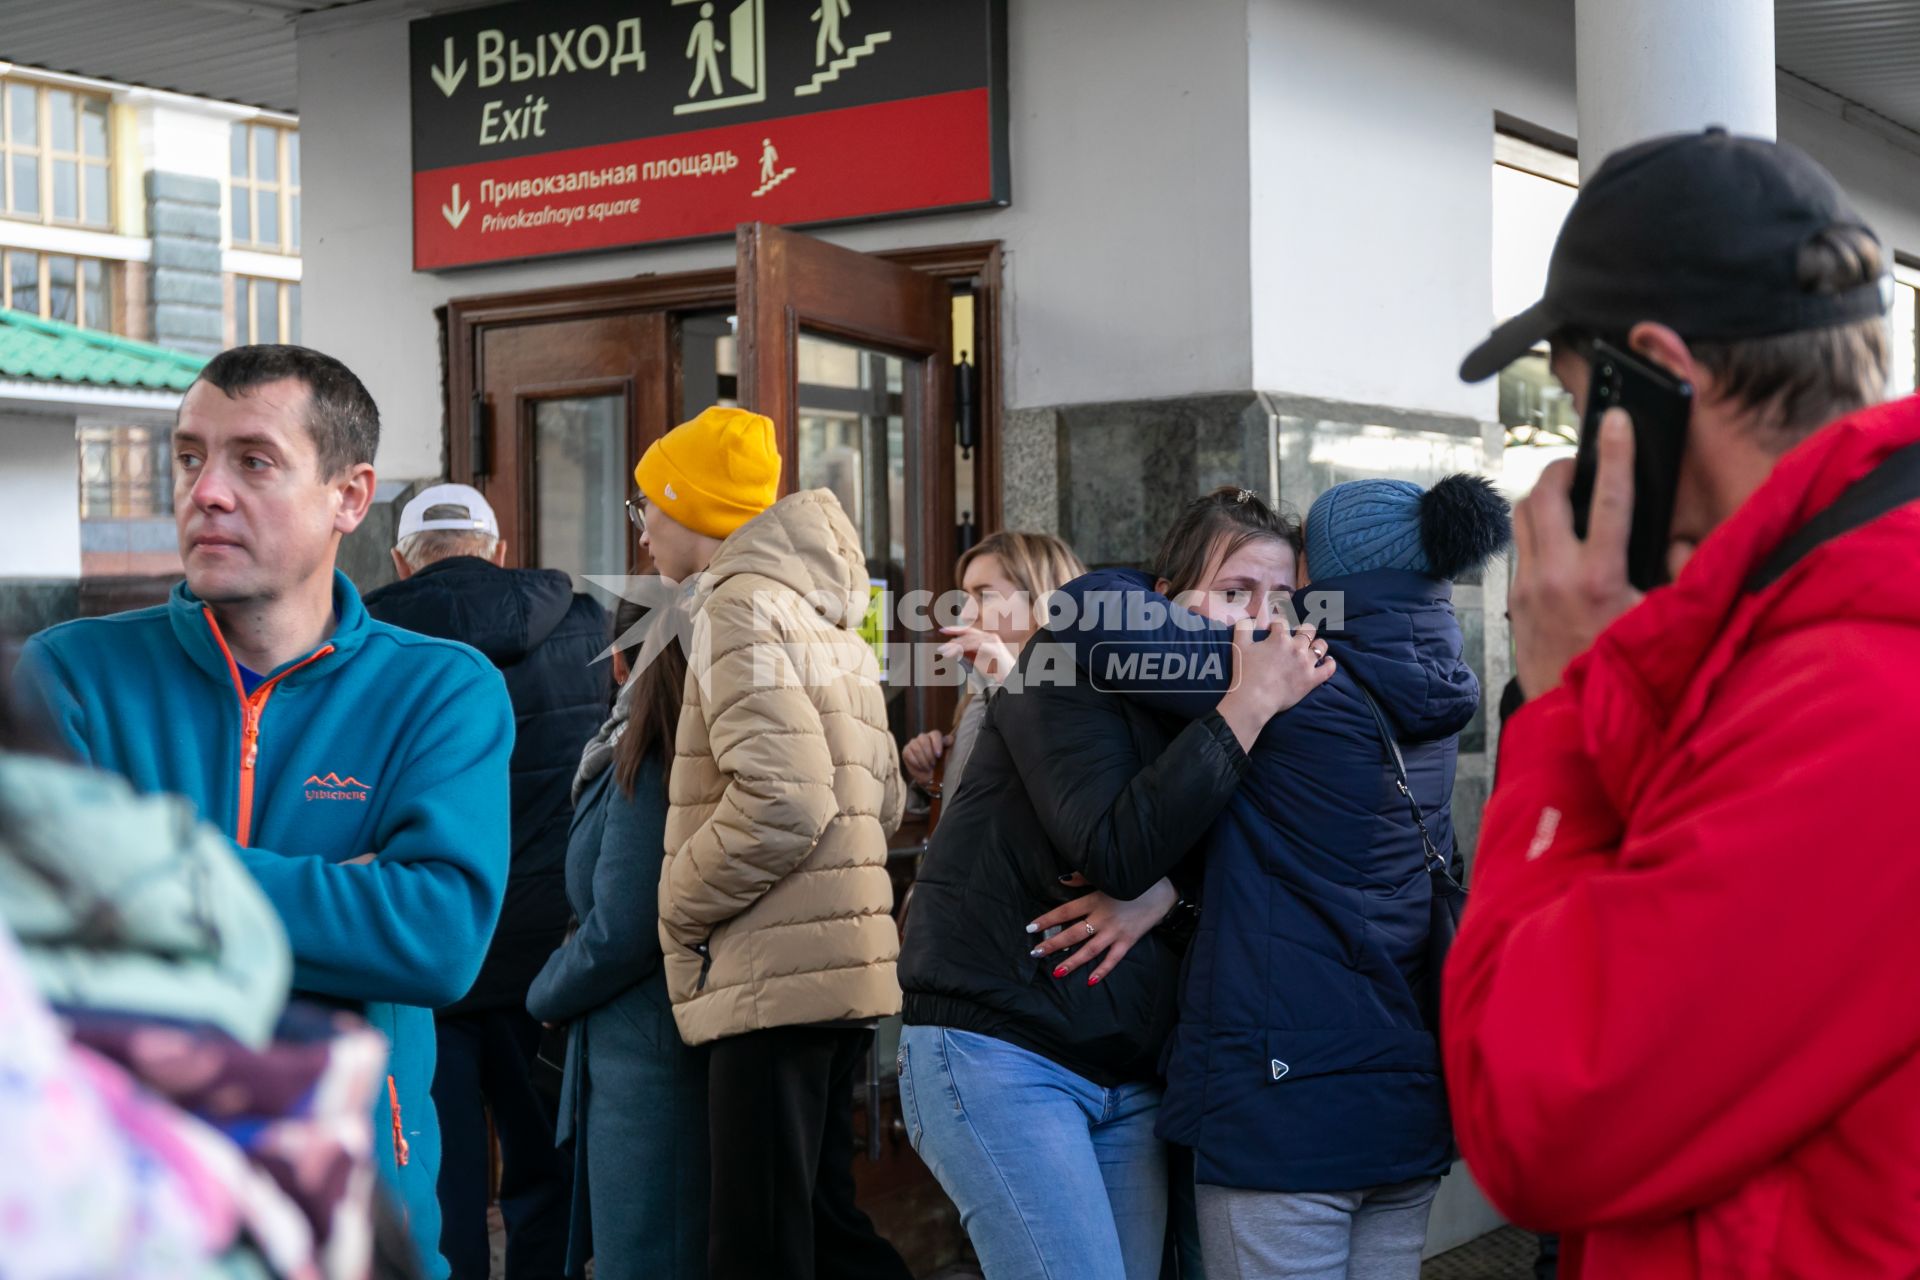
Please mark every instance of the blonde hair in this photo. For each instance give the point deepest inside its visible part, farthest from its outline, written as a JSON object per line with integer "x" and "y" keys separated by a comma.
{"x": 1037, "y": 563}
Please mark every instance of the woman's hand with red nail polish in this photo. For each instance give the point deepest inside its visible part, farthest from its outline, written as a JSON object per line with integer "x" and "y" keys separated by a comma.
{"x": 1117, "y": 925}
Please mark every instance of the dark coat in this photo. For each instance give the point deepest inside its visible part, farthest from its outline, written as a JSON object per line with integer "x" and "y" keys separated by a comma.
{"x": 634, "y": 1098}
{"x": 1302, "y": 1062}
{"x": 544, "y": 639}
{"x": 1064, "y": 778}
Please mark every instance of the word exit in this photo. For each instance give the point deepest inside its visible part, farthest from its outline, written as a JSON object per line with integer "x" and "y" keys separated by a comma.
{"x": 501, "y": 123}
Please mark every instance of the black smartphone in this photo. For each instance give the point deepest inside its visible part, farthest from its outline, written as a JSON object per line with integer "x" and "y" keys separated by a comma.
{"x": 1660, "y": 406}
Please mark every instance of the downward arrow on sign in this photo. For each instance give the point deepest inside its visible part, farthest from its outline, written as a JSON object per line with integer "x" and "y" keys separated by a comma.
{"x": 450, "y": 78}
{"x": 455, "y": 213}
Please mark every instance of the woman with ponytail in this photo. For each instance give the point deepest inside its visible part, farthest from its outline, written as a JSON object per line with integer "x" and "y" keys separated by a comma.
{"x": 1304, "y": 1071}
{"x": 634, "y": 1098}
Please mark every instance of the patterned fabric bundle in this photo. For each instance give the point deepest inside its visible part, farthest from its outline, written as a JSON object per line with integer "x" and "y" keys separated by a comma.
{"x": 278, "y": 1138}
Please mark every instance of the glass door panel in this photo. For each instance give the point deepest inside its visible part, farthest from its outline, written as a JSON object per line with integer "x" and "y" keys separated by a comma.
{"x": 579, "y": 447}
{"x": 851, "y": 356}
{"x": 852, "y": 425}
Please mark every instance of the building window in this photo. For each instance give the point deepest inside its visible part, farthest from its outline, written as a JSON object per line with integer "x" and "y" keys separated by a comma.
{"x": 265, "y": 310}
{"x": 54, "y": 286}
{"x": 264, "y": 197}
{"x": 55, "y": 147}
{"x": 1533, "y": 188}
{"x": 126, "y": 473}
{"x": 1906, "y": 330}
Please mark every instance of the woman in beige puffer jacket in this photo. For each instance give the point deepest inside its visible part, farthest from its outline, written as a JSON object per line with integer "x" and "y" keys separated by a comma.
{"x": 775, "y": 906}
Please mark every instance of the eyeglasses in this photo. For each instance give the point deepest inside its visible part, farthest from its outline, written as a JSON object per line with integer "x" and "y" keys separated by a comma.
{"x": 638, "y": 515}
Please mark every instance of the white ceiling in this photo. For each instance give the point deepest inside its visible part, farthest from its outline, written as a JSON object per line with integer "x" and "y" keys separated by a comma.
{"x": 238, "y": 50}
{"x": 1866, "y": 51}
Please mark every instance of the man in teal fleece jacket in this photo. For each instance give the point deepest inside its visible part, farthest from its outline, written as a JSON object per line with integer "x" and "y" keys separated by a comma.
{"x": 361, "y": 769}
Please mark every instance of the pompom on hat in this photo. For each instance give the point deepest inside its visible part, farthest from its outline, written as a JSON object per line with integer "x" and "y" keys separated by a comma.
{"x": 1441, "y": 532}
{"x": 715, "y": 473}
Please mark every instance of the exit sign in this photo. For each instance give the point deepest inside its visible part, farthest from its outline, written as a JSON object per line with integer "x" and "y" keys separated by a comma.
{"x": 544, "y": 128}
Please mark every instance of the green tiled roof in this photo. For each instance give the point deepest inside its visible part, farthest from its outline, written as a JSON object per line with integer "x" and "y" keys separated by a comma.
{"x": 53, "y": 351}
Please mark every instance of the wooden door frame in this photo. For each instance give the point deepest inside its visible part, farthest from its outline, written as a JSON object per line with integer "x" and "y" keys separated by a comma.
{"x": 530, "y": 397}
{"x": 464, "y": 320}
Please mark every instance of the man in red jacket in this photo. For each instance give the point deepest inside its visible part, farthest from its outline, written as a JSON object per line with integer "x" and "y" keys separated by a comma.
{"x": 1681, "y": 1022}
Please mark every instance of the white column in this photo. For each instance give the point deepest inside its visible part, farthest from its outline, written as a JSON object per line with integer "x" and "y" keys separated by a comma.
{"x": 40, "y": 492}
{"x": 1648, "y": 67}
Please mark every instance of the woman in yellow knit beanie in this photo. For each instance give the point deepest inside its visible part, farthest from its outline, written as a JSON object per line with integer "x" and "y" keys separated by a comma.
{"x": 776, "y": 925}
{"x": 707, "y": 477}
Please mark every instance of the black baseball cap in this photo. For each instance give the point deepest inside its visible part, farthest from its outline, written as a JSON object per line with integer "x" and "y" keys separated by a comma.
{"x": 1700, "y": 232}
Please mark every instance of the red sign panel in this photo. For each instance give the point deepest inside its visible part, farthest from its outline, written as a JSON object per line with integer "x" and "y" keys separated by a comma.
{"x": 892, "y": 157}
{"x": 568, "y": 126}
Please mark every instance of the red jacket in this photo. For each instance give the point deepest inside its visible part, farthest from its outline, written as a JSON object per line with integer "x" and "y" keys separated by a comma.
{"x": 1682, "y": 1018}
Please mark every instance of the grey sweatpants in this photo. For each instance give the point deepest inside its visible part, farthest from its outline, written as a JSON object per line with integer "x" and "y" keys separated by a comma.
{"x": 1375, "y": 1234}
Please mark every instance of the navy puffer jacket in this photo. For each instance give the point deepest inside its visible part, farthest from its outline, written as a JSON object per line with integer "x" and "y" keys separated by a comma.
{"x": 1301, "y": 1061}
{"x": 545, "y": 640}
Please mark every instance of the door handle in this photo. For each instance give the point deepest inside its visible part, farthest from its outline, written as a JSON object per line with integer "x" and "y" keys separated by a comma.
{"x": 477, "y": 458}
{"x": 966, "y": 431}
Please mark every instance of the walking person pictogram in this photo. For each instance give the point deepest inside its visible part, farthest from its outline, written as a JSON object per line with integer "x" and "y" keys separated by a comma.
{"x": 705, "y": 47}
{"x": 832, "y": 56}
{"x": 828, "y": 15}
{"x": 771, "y": 174}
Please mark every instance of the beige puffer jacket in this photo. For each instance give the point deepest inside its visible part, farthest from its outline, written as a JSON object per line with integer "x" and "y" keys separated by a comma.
{"x": 785, "y": 786}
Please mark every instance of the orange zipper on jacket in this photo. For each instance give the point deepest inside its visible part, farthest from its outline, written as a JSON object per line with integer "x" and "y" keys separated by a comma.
{"x": 252, "y": 707}
{"x": 401, "y": 1155}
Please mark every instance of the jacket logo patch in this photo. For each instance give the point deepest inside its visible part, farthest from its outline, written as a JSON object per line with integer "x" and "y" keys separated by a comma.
{"x": 1280, "y": 1068}
{"x": 1543, "y": 834}
{"x": 331, "y": 786}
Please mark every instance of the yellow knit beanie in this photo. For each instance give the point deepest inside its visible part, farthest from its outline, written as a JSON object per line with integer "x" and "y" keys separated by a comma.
{"x": 715, "y": 473}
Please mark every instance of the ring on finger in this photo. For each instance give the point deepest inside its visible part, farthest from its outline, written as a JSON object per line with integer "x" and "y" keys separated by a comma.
{"x": 1088, "y": 926}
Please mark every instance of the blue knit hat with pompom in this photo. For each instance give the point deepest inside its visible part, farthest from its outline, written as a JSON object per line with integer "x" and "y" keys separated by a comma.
{"x": 1441, "y": 532}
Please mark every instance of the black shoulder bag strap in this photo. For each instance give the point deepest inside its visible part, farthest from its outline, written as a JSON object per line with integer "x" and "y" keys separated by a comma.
{"x": 1436, "y": 861}
{"x": 1889, "y": 486}
{"x": 1449, "y": 895}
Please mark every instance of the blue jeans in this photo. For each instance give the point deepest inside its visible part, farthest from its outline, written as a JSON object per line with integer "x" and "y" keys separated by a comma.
{"x": 1053, "y": 1175}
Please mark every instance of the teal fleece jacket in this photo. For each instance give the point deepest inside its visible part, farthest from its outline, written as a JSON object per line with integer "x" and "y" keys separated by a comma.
{"x": 381, "y": 741}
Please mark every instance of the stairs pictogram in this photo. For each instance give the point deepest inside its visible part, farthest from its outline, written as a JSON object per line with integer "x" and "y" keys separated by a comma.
{"x": 776, "y": 180}
{"x": 838, "y": 65}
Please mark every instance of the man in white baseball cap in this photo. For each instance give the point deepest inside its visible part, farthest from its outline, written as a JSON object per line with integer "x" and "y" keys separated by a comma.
{"x": 443, "y": 521}
{"x": 544, "y": 639}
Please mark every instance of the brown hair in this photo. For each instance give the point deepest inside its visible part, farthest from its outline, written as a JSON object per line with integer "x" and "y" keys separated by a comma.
{"x": 1798, "y": 382}
{"x": 653, "y": 708}
{"x": 341, "y": 416}
{"x": 1037, "y": 563}
{"x": 1213, "y": 527}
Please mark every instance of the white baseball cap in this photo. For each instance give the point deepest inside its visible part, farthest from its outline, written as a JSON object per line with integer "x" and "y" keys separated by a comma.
{"x": 448, "y": 506}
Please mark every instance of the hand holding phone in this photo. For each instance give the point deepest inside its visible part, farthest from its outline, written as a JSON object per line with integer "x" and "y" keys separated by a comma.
{"x": 1592, "y": 536}
{"x": 1660, "y": 407}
